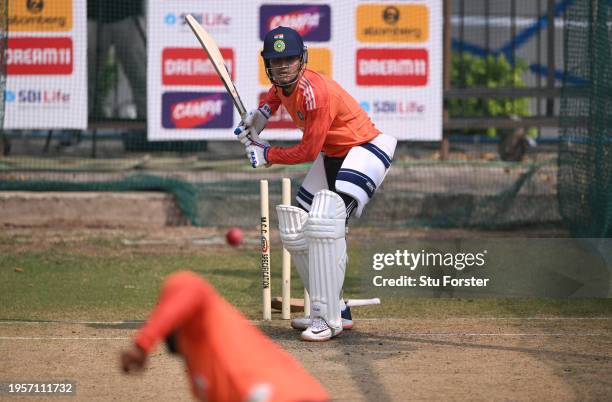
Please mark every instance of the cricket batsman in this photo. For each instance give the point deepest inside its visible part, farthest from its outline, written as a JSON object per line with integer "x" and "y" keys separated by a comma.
{"x": 227, "y": 358}
{"x": 351, "y": 158}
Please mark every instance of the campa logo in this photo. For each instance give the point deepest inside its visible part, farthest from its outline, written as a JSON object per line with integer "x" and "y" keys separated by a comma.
{"x": 196, "y": 110}
{"x": 311, "y": 21}
{"x": 191, "y": 66}
{"x": 392, "y": 67}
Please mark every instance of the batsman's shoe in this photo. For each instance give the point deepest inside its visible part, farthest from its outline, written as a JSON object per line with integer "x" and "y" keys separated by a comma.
{"x": 304, "y": 322}
{"x": 347, "y": 318}
{"x": 319, "y": 331}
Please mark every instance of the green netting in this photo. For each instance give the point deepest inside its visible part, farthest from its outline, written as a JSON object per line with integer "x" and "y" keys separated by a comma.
{"x": 186, "y": 195}
{"x": 419, "y": 190}
{"x": 585, "y": 154}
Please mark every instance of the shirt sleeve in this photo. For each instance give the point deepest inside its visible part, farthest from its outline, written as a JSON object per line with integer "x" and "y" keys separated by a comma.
{"x": 272, "y": 100}
{"x": 183, "y": 295}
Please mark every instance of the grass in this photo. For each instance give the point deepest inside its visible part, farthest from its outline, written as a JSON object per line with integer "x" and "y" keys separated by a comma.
{"x": 102, "y": 279}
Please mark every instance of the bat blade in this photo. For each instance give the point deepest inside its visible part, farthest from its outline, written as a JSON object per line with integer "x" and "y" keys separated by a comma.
{"x": 214, "y": 54}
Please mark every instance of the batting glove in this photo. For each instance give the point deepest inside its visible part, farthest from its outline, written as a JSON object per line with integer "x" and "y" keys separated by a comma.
{"x": 253, "y": 124}
{"x": 246, "y": 135}
{"x": 257, "y": 153}
{"x": 258, "y": 118}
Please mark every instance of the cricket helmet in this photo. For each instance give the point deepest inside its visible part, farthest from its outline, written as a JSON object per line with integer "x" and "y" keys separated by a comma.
{"x": 283, "y": 42}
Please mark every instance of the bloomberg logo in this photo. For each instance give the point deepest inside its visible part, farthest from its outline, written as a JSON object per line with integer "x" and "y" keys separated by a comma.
{"x": 313, "y": 22}
{"x": 197, "y": 110}
{"x": 392, "y": 67}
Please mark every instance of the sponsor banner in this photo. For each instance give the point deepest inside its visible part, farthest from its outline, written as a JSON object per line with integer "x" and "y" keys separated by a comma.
{"x": 312, "y": 21}
{"x": 486, "y": 267}
{"x": 392, "y": 67}
{"x": 386, "y": 55}
{"x": 185, "y": 110}
{"x": 46, "y": 65}
{"x": 40, "y": 15}
{"x": 407, "y": 23}
{"x": 280, "y": 119}
{"x": 319, "y": 60}
{"x": 191, "y": 66}
{"x": 39, "y": 56}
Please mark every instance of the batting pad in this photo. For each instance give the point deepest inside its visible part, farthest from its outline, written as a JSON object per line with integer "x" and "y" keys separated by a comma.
{"x": 365, "y": 168}
{"x": 291, "y": 222}
{"x": 325, "y": 231}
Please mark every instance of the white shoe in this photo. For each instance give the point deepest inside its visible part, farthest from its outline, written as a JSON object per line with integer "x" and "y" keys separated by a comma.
{"x": 304, "y": 322}
{"x": 319, "y": 331}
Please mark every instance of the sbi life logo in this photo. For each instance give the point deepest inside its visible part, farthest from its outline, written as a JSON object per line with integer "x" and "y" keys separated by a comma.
{"x": 37, "y": 96}
{"x": 208, "y": 20}
{"x": 393, "y": 107}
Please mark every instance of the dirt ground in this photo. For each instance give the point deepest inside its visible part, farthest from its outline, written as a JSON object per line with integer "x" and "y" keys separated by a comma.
{"x": 501, "y": 359}
{"x": 540, "y": 359}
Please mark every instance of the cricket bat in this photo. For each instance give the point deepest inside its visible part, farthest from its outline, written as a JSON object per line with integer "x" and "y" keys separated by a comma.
{"x": 211, "y": 48}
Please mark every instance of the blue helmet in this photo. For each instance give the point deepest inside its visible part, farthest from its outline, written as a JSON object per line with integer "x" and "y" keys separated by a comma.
{"x": 283, "y": 42}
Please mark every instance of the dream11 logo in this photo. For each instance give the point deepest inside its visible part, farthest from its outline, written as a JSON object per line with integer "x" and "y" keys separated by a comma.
{"x": 191, "y": 66}
{"x": 312, "y": 22}
{"x": 392, "y": 67}
{"x": 185, "y": 110}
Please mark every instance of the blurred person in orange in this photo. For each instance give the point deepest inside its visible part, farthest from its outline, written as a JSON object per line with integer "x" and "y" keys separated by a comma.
{"x": 227, "y": 358}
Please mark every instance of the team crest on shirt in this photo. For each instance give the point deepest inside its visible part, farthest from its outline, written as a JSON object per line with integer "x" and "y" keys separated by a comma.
{"x": 300, "y": 115}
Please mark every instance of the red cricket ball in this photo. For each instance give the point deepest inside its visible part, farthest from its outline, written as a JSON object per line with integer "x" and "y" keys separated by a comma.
{"x": 234, "y": 237}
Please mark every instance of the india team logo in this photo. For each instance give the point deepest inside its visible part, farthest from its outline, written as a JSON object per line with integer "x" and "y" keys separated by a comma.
{"x": 279, "y": 46}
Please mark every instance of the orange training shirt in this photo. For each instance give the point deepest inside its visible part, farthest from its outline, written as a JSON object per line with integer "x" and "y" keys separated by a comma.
{"x": 227, "y": 358}
{"x": 332, "y": 121}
